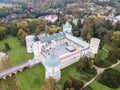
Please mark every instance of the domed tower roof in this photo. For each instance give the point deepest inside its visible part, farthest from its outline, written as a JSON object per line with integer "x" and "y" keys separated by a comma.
{"x": 52, "y": 61}
{"x": 67, "y": 25}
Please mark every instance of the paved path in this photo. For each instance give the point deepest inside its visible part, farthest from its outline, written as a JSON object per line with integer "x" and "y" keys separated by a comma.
{"x": 99, "y": 72}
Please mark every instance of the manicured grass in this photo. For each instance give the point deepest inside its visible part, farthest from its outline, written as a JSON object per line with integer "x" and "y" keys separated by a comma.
{"x": 33, "y": 78}
{"x": 103, "y": 54}
{"x": 69, "y": 71}
{"x": 18, "y": 53}
{"x": 98, "y": 86}
{"x": 108, "y": 47}
{"x": 117, "y": 67}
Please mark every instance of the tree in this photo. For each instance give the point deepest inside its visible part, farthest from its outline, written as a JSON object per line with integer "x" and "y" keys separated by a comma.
{"x": 112, "y": 57}
{"x": 116, "y": 38}
{"x": 79, "y": 25}
{"x": 97, "y": 57}
{"x": 32, "y": 25}
{"x": 13, "y": 29}
{"x": 51, "y": 84}
{"x": 22, "y": 24}
{"x": 53, "y": 29}
{"x": 102, "y": 64}
{"x": 107, "y": 37}
{"x": 101, "y": 31}
{"x": 3, "y": 33}
{"x": 7, "y": 46}
{"x": 85, "y": 65}
{"x": 108, "y": 25}
{"x": 20, "y": 32}
{"x": 117, "y": 53}
{"x": 111, "y": 78}
{"x": 37, "y": 31}
{"x": 73, "y": 84}
{"x": 76, "y": 31}
{"x": 88, "y": 37}
{"x": 21, "y": 36}
{"x": 42, "y": 24}
{"x": 117, "y": 26}
{"x": 84, "y": 31}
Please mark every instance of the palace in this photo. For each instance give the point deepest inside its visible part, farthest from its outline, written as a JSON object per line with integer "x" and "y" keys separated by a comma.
{"x": 59, "y": 50}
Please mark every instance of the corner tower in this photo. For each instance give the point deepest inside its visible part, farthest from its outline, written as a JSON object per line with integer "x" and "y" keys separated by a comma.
{"x": 94, "y": 45}
{"x": 29, "y": 43}
{"x": 52, "y": 67}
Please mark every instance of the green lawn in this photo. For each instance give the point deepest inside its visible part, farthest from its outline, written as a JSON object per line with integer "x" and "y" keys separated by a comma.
{"x": 18, "y": 53}
{"x": 32, "y": 79}
{"x": 69, "y": 71}
{"x": 117, "y": 67}
{"x": 108, "y": 47}
{"x": 103, "y": 54}
{"x": 98, "y": 86}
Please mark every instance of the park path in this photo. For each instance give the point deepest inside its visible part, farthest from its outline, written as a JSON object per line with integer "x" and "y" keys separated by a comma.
{"x": 99, "y": 72}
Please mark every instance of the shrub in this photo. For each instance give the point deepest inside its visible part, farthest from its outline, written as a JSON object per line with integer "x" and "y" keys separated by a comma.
{"x": 102, "y": 64}
{"x": 6, "y": 47}
{"x": 111, "y": 78}
{"x": 73, "y": 83}
{"x": 76, "y": 33}
{"x": 85, "y": 65}
{"x": 112, "y": 58}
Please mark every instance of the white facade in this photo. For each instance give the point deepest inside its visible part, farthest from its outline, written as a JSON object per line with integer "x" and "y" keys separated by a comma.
{"x": 37, "y": 50}
{"x": 94, "y": 45}
{"x": 53, "y": 72}
{"x": 51, "y": 18}
{"x": 29, "y": 43}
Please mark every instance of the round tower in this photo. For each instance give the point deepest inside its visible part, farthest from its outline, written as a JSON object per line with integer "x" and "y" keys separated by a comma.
{"x": 94, "y": 45}
{"x": 29, "y": 43}
{"x": 52, "y": 67}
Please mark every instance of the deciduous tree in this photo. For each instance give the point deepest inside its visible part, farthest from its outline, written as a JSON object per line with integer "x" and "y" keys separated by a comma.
{"x": 51, "y": 84}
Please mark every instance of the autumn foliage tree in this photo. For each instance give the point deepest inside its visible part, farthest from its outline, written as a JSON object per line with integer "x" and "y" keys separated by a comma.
{"x": 53, "y": 29}
{"x": 116, "y": 38}
{"x": 73, "y": 84}
{"x": 21, "y": 36}
{"x": 51, "y": 84}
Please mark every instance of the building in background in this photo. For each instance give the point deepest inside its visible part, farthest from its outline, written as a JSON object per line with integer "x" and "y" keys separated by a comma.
{"x": 51, "y": 18}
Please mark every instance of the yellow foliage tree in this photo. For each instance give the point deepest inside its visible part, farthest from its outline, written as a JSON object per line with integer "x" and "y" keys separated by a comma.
{"x": 51, "y": 84}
